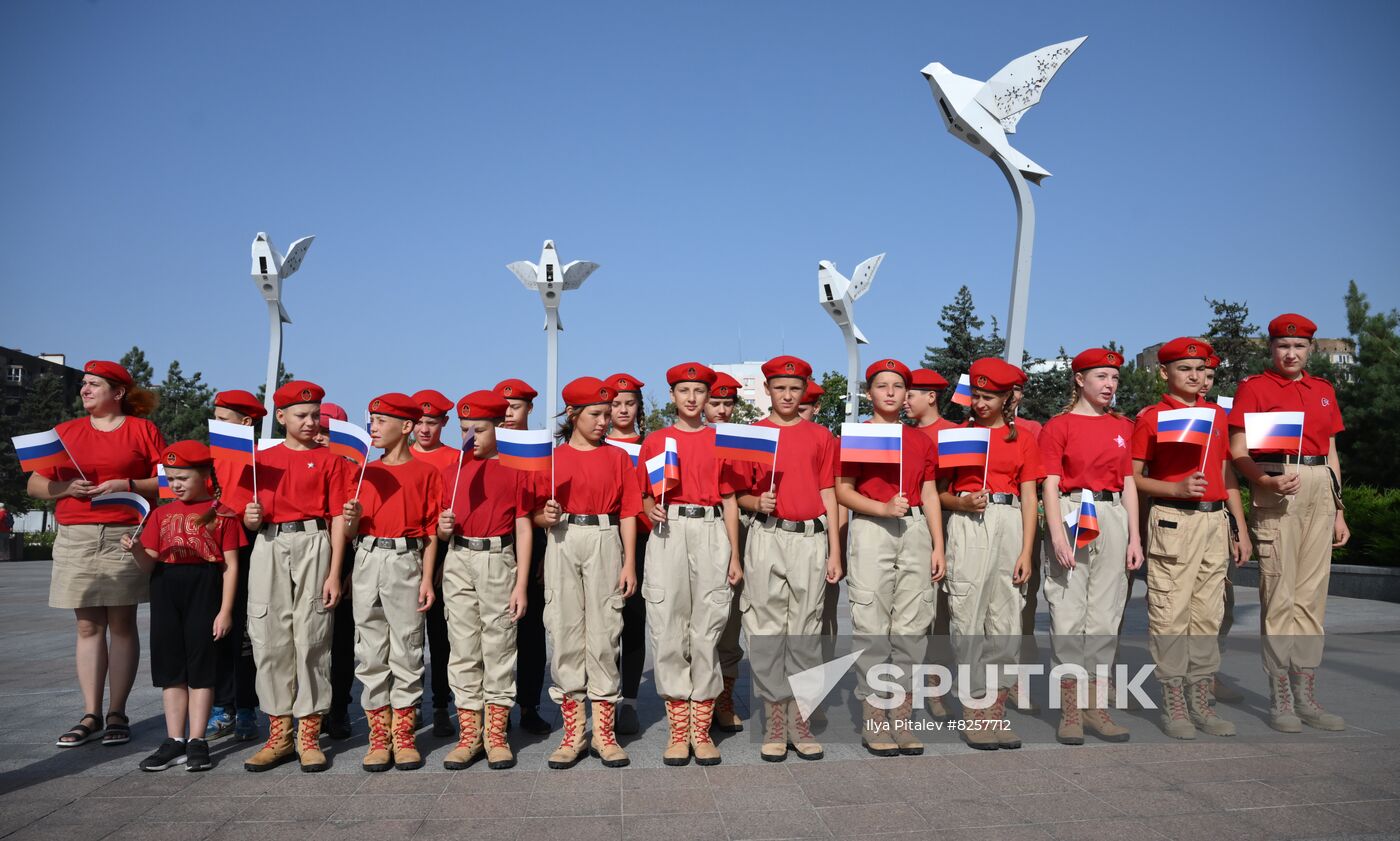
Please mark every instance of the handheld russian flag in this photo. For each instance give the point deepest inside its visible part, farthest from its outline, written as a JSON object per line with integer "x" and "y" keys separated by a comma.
{"x": 268, "y": 443}
{"x": 41, "y": 450}
{"x": 964, "y": 447}
{"x": 231, "y": 442}
{"x": 163, "y": 482}
{"x": 1084, "y": 520}
{"x": 1185, "y": 426}
{"x": 633, "y": 450}
{"x": 524, "y": 449}
{"x": 962, "y": 394}
{"x": 1273, "y": 431}
{"x": 1226, "y": 403}
{"x": 126, "y": 499}
{"x": 664, "y": 469}
{"x": 871, "y": 443}
{"x": 350, "y": 441}
{"x": 742, "y": 442}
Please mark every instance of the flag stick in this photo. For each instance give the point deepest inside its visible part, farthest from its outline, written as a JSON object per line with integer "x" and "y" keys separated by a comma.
{"x": 987, "y": 461}
{"x": 773, "y": 477}
{"x": 457, "y": 481}
{"x": 1206, "y": 453}
{"x": 255, "y": 466}
{"x": 70, "y": 455}
{"x": 361, "y": 483}
{"x": 900, "y": 487}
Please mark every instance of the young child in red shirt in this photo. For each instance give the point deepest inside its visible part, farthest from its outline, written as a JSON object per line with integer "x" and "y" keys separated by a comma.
{"x": 719, "y": 408}
{"x": 627, "y": 429}
{"x": 428, "y": 446}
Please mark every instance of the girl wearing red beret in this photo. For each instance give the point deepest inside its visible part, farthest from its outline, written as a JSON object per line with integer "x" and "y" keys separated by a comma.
{"x": 627, "y": 429}
{"x": 719, "y": 408}
{"x": 1087, "y": 448}
{"x": 991, "y": 535}
{"x": 1295, "y": 516}
{"x": 116, "y": 449}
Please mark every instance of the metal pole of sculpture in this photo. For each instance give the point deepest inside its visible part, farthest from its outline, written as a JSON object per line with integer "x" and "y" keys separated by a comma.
{"x": 270, "y": 268}
{"x": 982, "y": 114}
{"x": 837, "y": 295}
{"x": 551, "y": 281}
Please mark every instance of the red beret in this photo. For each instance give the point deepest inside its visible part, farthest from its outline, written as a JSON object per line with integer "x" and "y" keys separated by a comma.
{"x": 482, "y": 405}
{"x": 1212, "y": 362}
{"x": 690, "y": 372}
{"x": 624, "y": 382}
{"x": 725, "y": 386}
{"x": 887, "y": 365}
{"x": 297, "y": 391}
{"x": 186, "y": 454}
{"x": 1290, "y": 325}
{"x": 1184, "y": 347}
{"x": 329, "y": 412}
{"x": 514, "y": 389}
{"x": 813, "y": 393}
{"x": 585, "y": 391}
{"x": 243, "y": 402}
{"x": 786, "y": 366}
{"x": 994, "y": 374}
{"x": 396, "y": 405}
{"x": 926, "y": 379}
{"x": 109, "y": 371}
{"x": 432, "y": 402}
{"x": 1098, "y": 357}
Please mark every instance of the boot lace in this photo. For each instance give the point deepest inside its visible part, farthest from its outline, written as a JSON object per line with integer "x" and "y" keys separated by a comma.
{"x": 404, "y": 729}
{"x": 724, "y": 704}
{"x": 777, "y": 724}
{"x": 1200, "y": 693}
{"x": 1308, "y": 686}
{"x": 308, "y": 738}
{"x": 702, "y": 713}
{"x": 1176, "y": 702}
{"x": 499, "y": 718}
{"x": 799, "y": 723}
{"x": 678, "y": 717}
{"x": 466, "y": 724}
{"x": 275, "y": 733}
{"x": 604, "y": 712}
{"x": 1283, "y": 694}
{"x": 1069, "y": 703}
{"x": 569, "y": 711}
{"x": 378, "y": 729}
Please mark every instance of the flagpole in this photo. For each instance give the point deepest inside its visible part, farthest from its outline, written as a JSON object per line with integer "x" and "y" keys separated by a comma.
{"x": 773, "y": 477}
{"x": 361, "y": 483}
{"x": 457, "y": 481}
{"x": 1210, "y": 433}
{"x": 80, "y": 470}
{"x": 255, "y": 466}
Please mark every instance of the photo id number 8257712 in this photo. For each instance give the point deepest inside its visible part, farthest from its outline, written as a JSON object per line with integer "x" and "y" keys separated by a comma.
{"x": 965, "y": 724}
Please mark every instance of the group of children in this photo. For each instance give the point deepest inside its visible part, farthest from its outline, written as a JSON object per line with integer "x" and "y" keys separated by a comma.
{"x": 722, "y": 542}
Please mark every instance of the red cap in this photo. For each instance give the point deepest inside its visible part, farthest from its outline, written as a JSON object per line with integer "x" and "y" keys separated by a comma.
{"x": 725, "y": 386}
{"x": 109, "y": 371}
{"x": 786, "y": 366}
{"x": 1290, "y": 325}
{"x": 1098, "y": 357}
{"x": 624, "y": 382}
{"x": 514, "y": 389}
{"x": 585, "y": 391}
{"x": 994, "y": 374}
{"x": 297, "y": 391}
{"x": 1212, "y": 362}
{"x": 887, "y": 365}
{"x": 186, "y": 454}
{"x": 482, "y": 405}
{"x": 690, "y": 372}
{"x": 329, "y": 412}
{"x": 243, "y": 402}
{"x": 431, "y": 402}
{"x": 813, "y": 393}
{"x": 1184, "y": 347}
{"x": 927, "y": 379}
{"x": 396, "y": 405}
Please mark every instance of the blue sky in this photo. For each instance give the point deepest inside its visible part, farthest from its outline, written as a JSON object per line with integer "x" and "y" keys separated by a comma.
{"x": 707, "y": 155}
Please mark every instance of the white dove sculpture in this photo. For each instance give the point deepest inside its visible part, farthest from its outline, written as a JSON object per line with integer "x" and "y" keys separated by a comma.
{"x": 837, "y": 295}
{"x": 270, "y": 268}
{"x": 550, "y": 279}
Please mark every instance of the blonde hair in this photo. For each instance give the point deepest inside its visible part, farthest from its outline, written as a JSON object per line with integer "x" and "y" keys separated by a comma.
{"x": 1074, "y": 392}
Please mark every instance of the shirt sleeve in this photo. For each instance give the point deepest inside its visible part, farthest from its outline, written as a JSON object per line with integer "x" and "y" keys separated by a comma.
{"x": 826, "y": 471}
{"x": 631, "y": 494}
{"x": 339, "y": 484}
{"x": 930, "y": 462}
{"x": 231, "y": 535}
{"x": 154, "y": 446}
{"x": 1052, "y": 448}
{"x": 432, "y": 502}
{"x": 1032, "y": 468}
{"x": 150, "y": 534}
{"x": 1246, "y": 400}
{"x": 648, "y": 450}
{"x": 1337, "y": 425}
{"x": 1145, "y": 435}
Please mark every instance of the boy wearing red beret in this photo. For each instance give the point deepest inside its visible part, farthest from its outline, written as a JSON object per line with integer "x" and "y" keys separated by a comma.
{"x": 428, "y": 446}
{"x": 719, "y": 408}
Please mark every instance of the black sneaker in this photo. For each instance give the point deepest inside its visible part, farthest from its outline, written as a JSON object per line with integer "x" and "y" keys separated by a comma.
{"x": 197, "y": 755}
{"x": 531, "y": 722}
{"x": 171, "y": 752}
{"x": 338, "y": 724}
{"x": 443, "y": 725}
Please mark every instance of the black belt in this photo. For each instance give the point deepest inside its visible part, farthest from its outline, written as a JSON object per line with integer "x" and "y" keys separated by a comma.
{"x": 409, "y": 544}
{"x": 693, "y": 511}
{"x": 790, "y": 525}
{"x": 1003, "y": 499}
{"x": 913, "y": 509}
{"x": 482, "y": 544}
{"x": 1288, "y": 458}
{"x": 1189, "y": 505}
{"x": 1098, "y": 496}
{"x": 297, "y": 525}
{"x": 590, "y": 519}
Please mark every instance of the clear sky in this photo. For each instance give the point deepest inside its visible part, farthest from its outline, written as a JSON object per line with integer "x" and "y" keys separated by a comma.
{"x": 707, "y": 155}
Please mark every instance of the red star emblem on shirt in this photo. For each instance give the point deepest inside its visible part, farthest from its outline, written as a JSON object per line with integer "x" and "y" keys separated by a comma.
{"x": 1118, "y": 439}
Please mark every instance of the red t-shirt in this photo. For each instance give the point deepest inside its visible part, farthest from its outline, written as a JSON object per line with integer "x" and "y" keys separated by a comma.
{"x": 302, "y": 484}
{"x": 488, "y": 498}
{"x": 598, "y": 481}
{"x": 877, "y": 481}
{"x": 1009, "y": 464}
{"x": 400, "y": 500}
{"x": 131, "y": 451}
{"x": 704, "y": 478}
{"x": 439, "y": 458}
{"x": 806, "y": 466}
{"x": 174, "y": 535}
{"x": 1031, "y": 426}
{"x": 1273, "y": 392}
{"x": 1087, "y": 451}
{"x": 932, "y": 430}
{"x": 1173, "y": 462}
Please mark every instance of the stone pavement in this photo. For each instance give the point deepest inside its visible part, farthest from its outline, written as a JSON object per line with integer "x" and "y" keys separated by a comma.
{"x": 1258, "y": 785}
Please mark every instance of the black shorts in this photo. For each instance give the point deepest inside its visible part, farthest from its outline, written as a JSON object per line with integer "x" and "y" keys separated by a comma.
{"x": 185, "y": 600}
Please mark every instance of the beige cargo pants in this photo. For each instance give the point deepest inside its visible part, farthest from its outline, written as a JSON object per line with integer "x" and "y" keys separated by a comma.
{"x": 583, "y": 611}
{"x": 984, "y": 606}
{"x": 731, "y": 654}
{"x": 892, "y": 597}
{"x": 688, "y": 598}
{"x": 1086, "y": 603}
{"x": 288, "y": 625}
{"x": 388, "y": 626}
{"x": 1187, "y": 553}
{"x": 476, "y": 588}
{"x": 784, "y": 587}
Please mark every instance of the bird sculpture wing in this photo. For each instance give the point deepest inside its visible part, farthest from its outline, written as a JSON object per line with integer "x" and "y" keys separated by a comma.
{"x": 527, "y": 272}
{"x": 577, "y": 272}
{"x": 1020, "y": 84}
{"x": 864, "y": 275}
{"x": 292, "y": 261}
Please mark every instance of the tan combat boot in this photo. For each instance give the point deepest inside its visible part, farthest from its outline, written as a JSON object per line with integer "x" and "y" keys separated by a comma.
{"x": 901, "y": 721}
{"x": 1202, "y": 713}
{"x": 1304, "y": 685}
{"x": 977, "y": 732}
{"x": 468, "y": 741}
{"x": 1176, "y": 718}
{"x": 937, "y": 710}
{"x": 605, "y": 745}
{"x": 309, "y": 744}
{"x": 727, "y": 719}
{"x": 701, "y": 715}
{"x": 1071, "y": 729}
{"x": 1006, "y": 737}
{"x": 279, "y": 747}
{"x": 775, "y": 734}
{"x": 498, "y": 753}
{"x": 378, "y": 758}
{"x": 800, "y": 735}
{"x": 1099, "y": 722}
{"x": 1282, "y": 716}
{"x": 677, "y": 750}
{"x": 405, "y": 741}
{"x": 875, "y": 731}
{"x": 571, "y": 745}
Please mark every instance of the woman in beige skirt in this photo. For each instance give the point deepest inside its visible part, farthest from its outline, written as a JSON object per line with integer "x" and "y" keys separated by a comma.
{"x": 114, "y": 449}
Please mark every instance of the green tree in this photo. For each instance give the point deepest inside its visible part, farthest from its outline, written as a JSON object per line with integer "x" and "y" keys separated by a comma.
{"x": 1235, "y": 341}
{"x": 1047, "y": 387}
{"x": 963, "y": 338}
{"x": 134, "y": 361}
{"x": 283, "y": 377}
{"x": 745, "y": 412}
{"x": 185, "y": 404}
{"x": 831, "y": 406}
{"x": 46, "y": 404}
{"x": 659, "y": 416}
{"x": 1370, "y": 396}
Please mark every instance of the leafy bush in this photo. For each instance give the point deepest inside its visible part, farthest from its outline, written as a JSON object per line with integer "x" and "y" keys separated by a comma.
{"x": 38, "y": 545}
{"x": 1373, "y": 515}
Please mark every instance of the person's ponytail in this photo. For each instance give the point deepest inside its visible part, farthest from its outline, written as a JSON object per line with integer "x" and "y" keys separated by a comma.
{"x": 139, "y": 402}
{"x": 208, "y": 516}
